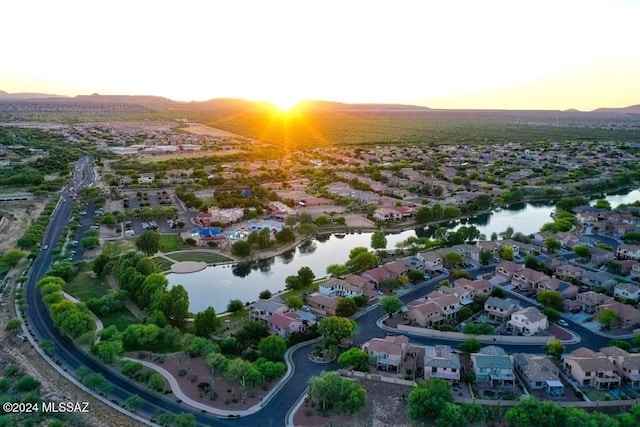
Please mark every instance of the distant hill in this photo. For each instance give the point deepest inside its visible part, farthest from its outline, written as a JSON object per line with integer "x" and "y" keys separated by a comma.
{"x": 632, "y": 109}
{"x": 126, "y": 99}
{"x": 28, "y": 95}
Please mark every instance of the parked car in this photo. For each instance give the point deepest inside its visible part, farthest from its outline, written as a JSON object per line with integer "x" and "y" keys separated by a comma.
{"x": 306, "y": 308}
{"x": 562, "y": 322}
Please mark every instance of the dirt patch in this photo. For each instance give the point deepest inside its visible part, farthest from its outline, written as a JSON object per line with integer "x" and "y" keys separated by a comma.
{"x": 385, "y": 407}
{"x": 200, "y": 129}
{"x": 229, "y": 395}
{"x": 20, "y": 215}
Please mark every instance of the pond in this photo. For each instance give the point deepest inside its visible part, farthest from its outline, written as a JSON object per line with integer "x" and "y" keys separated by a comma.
{"x": 216, "y": 285}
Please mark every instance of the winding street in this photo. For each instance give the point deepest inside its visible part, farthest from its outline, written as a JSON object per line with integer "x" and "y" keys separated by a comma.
{"x": 273, "y": 414}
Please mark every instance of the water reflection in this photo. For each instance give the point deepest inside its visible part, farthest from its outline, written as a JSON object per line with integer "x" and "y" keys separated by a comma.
{"x": 288, "y": 256}
{"x": 310, "y": 246}
{"x": 241, "y": 270}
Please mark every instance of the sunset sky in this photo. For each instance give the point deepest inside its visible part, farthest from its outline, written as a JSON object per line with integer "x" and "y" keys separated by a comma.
{"x": 443, "y": 54}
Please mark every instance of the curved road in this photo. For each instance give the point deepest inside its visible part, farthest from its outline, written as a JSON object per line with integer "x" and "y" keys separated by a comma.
{"x": 274, "y": 412}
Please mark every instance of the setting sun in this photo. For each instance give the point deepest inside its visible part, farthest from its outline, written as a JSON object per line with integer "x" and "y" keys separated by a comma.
{"x": 285, "y": 103}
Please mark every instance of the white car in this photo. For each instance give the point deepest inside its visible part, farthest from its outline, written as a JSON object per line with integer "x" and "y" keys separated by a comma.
{"x": 562, "y": 322}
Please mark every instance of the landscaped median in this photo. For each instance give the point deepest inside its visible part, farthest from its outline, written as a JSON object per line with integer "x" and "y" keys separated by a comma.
{"x": 460, "y": 336}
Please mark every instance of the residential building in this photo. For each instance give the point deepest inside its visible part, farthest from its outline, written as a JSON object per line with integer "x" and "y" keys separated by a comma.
{"x": 590, "y": 300}
{"x": 476, "y": 287}
{"x": 566, "y": 289}
{"x": 439, "y": 361}
{"x": 627, "y": 364}
{"x": 626, "y": 291}
{"x": 625, "y": 251}
{"x": 529, "y": 321}
{"x": 378, "y": 275}
{"x": 424, "y": 313}
{"x": 500, "y": 309}
{"x": 570, "y": 271}
{"x": 432, "y": 261}
{"x": 387, "y": 353}
{"x": 538, "y": 373}
{"x": 286, "y": 324}
{"x": 450, "y": 304}
{"x": 528, "y": 279}
{"x": 493, "y": 367}
{"x": 591, "y": 369}
{"x": 628, "y": 316}
{"x": 599, "y": 279}
{"x": 263, "y": 309}
{"x": 506, "y": 269}
{"x": 322, "y": 304}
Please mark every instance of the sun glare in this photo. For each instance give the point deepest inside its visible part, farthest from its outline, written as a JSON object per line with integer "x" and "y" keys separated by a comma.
{"x": 285, "y": 103}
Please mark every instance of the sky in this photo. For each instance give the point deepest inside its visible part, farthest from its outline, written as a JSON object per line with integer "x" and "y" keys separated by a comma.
{"x": 518, "y": 54}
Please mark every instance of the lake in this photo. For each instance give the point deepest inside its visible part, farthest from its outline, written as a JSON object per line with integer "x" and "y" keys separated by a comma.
{"x": 216, "y": 285}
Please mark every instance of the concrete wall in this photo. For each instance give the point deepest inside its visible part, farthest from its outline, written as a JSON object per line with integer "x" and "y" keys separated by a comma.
{"x": 459, "y": 336}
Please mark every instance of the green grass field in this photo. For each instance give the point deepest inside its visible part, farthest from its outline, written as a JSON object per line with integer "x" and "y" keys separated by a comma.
{"x": 116, "y": 248}
{"x": 162, "y": 264}
{"x": 207, "y": 257}
{"x": 169, "y": 242}
{"x": 85, "y": 287}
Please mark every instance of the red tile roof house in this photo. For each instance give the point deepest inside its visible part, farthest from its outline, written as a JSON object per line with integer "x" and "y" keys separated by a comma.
{"x": 387, "y": 353}
{"x": 397, "y": 268}
{"x": 432, "y": 261}
{"x": 322, "y": 304}
{"x": 591, "y": 369}
{"x": 626, "y": 266}
{"x": 568, "y": 270}
{"x": 476, "y": 287}
{"x": 285, "y": 324}
{"x": 424, "y": 313}
{"x": 590, "y": 300}
{"x": 491, "y": 246}
{"x": 627, "y": 364}
{"x": 567, "y": 290}
{"x": 450, "y": 304}
{"x": 367, "y": 288}
{"x": 628, "y": 316}
{"x": 528, "y": 279}
{"x": 377, "y": 275}
{"x": 506, "y": 269}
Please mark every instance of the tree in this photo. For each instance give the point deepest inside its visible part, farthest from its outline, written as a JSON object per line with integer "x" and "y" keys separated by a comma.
{"x": 293, "y": 282}
{"x": 185, "y": 419}
{"x": 625, "y": 345}
{"x": 552, "y": 315}
{"x": 12, "y": 257}
{"x": 175, "y": 305}
{"x": 206, "y": 323}
{"x": 391, "y": 304}
{"x": 134, "y": 402}
{"x": 108, "y": 351}
{"x": 453, "y": 259}
{"x": 235, "y": 305}
{"x": 337, "y": 270}
{"x": 361, "y": 262}
{"x": 241, "y": 248}
{"x": 273, "y": 348}
{"x": 346, "y": 307}
{"x": 306, "y": 276}
{"x": 285, "y": 235}
{"x": 102, "y": 265}
{"x": 428, "y": 399}
{"x": 149, "y": 295}
{"x": 552, "y": 244}
{"x": 415, "y": 275}
{"x": 13, "y": 324}
{"x": 329, "y": 390}
{"x": 148, "y": 242}
{"x": 236, "y": 371}
{"x": 551, "y": 299}
{"x": 305, "y": 217}
{"x": 308, "y": 229}
{"x": 451, "y": 415}
{"x": 266, "y": 294}
{"x": 360, "y": 300}
{"x": 378, "y": 240}
{"x": 602, "y": 204}
{"x": 336, "y": 327}
{"x": 270, "y": 370}
{"x": 294, "y": 302}
{"x": 252, "y": 332}
{"x": 322, "y": 220}
{"x": 508, "y": 233}
{"x": 90, "y": 242}
{"x": 607, "y": 318}
{"x": 506, "y": 253}
{"x": 554, "y": 348}
{"x": 156, "y": 382}
{"x": 472, "y": 345}
{"x": 485, "y": 256}
{"x": 473, "y": 412}
{"x": 583, "y": 252}
{"x": 130, "y": 368}
{"x": 356, "y": 359}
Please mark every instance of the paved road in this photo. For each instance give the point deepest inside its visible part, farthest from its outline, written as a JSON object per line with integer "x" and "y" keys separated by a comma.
{"x": 71, "y": 357}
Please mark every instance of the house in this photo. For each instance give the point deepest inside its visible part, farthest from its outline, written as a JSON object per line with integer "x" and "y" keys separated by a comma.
{"x": 528, "y": 279}
{"x": 529, "y": 321}
{"x": 625, "y": 251}
{"x": 626, "y": 266}
{"x": 476, "y": 287}
{"x": 262, "y": 310}
{"x": 387, "y": 353}
{"x": 397, "y": 268}
{"x": 367, "y": 288}
{"x": 500, "y": 309}
{"x": 538, "y": 373}
{"x": 322, "y": 304}
{"x": 285, "y": 324}
{"x": 626, "y": 291}
{"x": 627, "y": 364}
{"x": 635, "y": 271}
{"x": 467, "y": 251}
{"x": 601, "y": 256}
{"x": 570, "y": 271}
{"x": 628, "y": 316}
{"x": 387, "y": 214}
{"x": 449, "y": 304}
{"x": 378, "y": 275}
{"x": 439, "y": 362}
{"x": 566, "y": 289}
{"x": 600, "y": 279}
{"x": 338, "y": 288}
{"x": 591, "y": 369}
{"x": 506, "y": 269}
{"x": 424, "y": 313}
{"x": 590, "y": 300}
{"x": 493, "y": 367}
{"x": 432, "y": 261}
